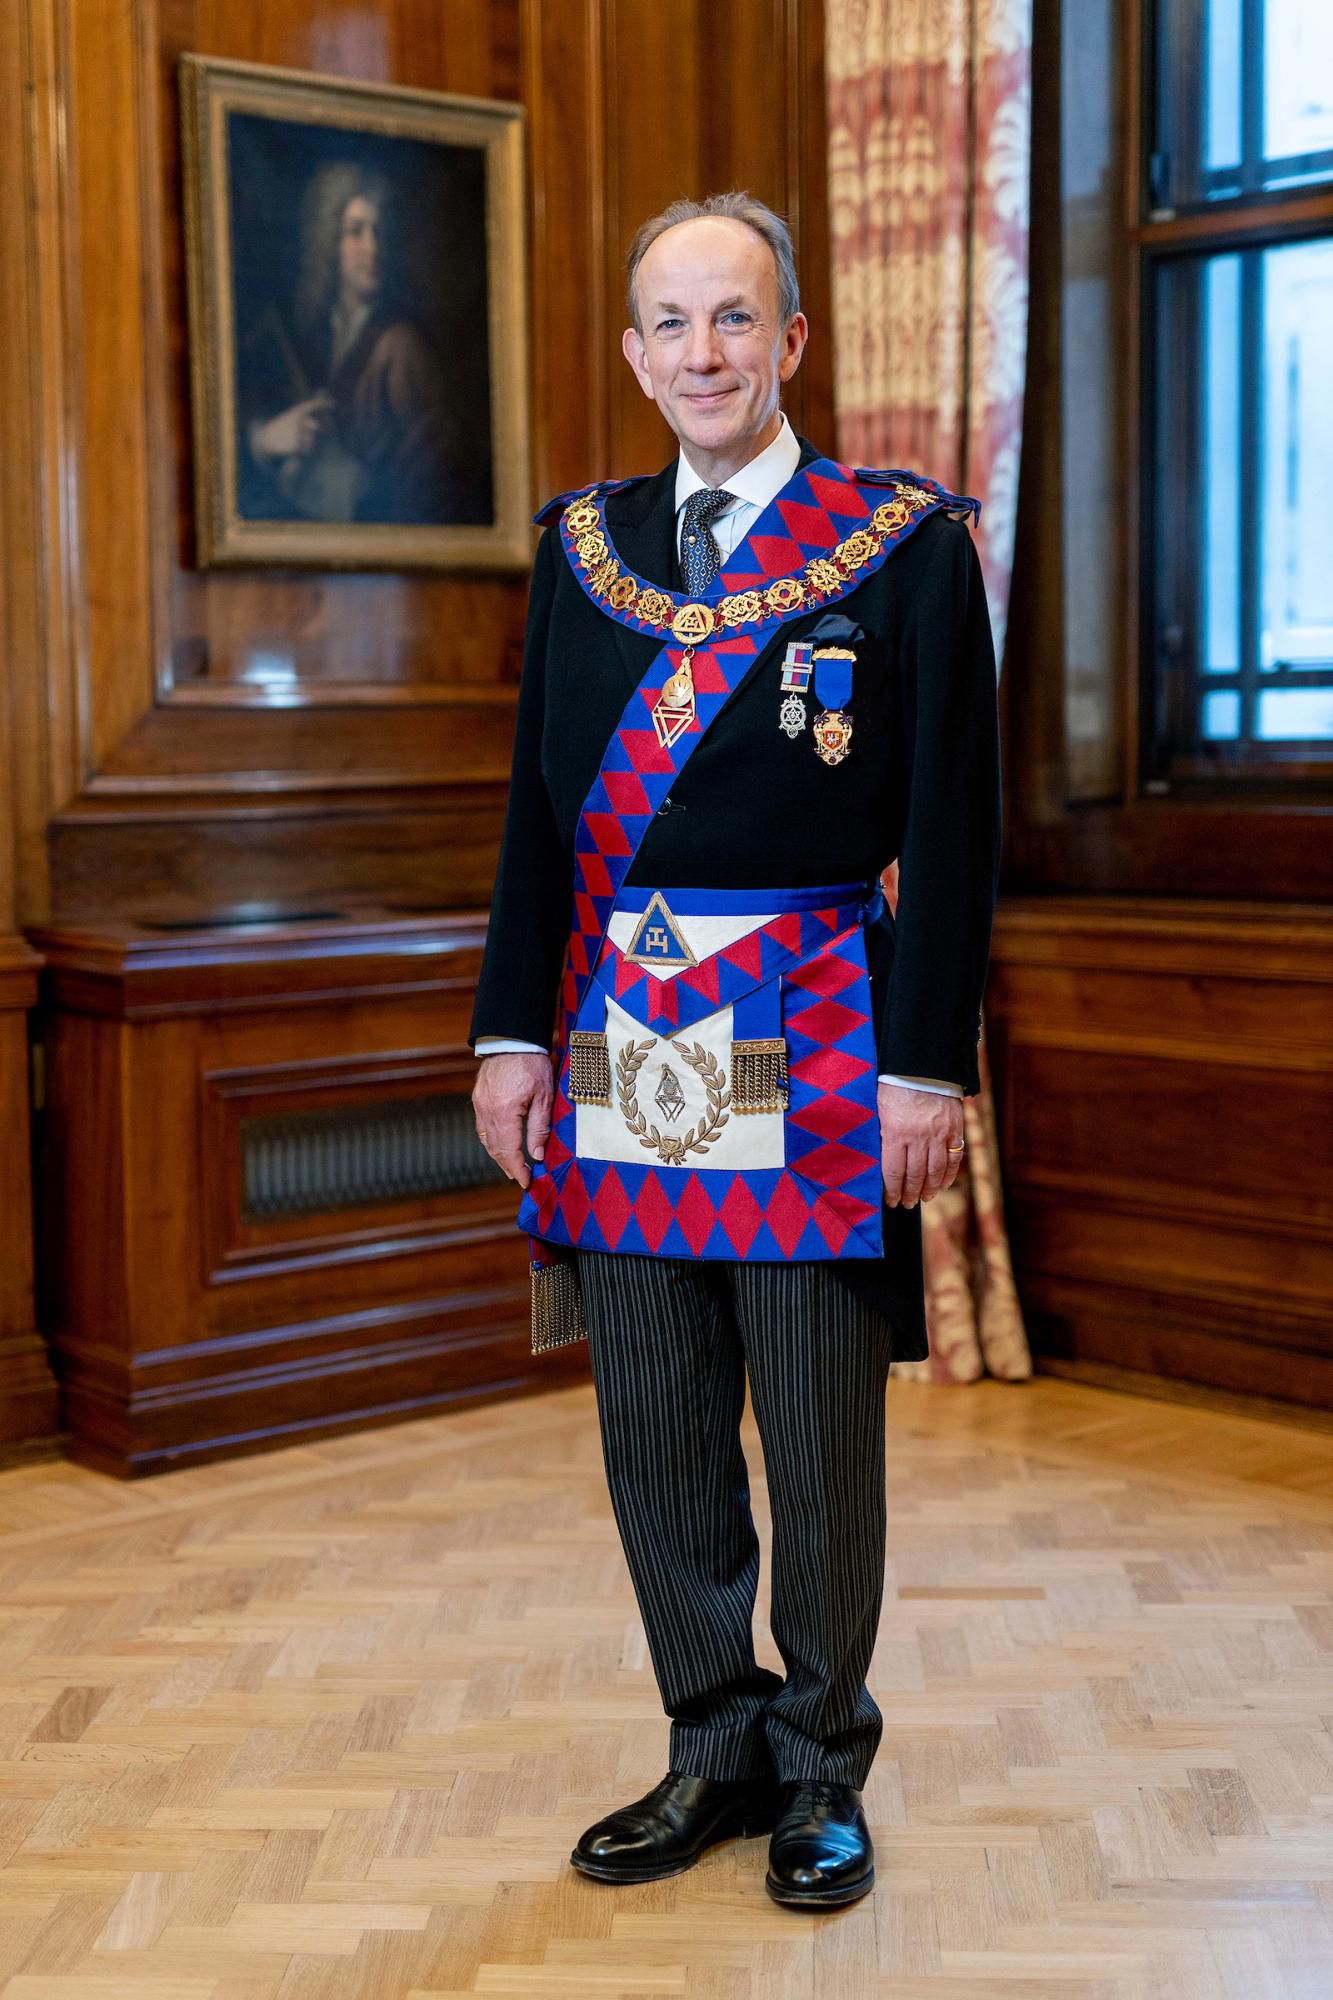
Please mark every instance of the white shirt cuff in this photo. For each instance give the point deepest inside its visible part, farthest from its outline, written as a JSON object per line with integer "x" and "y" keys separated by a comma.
{"x": 935, "y": 1085}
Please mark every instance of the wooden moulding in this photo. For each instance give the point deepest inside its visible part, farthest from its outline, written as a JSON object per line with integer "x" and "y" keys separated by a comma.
{"x": 28, "y": 1400}
{"x": 1165, "y": 1077}
{"x": 189, "y": 1327}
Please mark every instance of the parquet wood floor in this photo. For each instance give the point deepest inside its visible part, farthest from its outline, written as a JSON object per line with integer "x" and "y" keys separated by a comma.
{"x": 323, "y": 1725}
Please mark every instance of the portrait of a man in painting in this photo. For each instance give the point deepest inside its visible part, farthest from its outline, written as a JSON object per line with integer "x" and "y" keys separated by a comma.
{"x": 354, "y": 350}
{"x": 345, "y": 409}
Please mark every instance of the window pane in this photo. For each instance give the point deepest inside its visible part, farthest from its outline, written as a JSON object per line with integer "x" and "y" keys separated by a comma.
{"x": 1240, "y": 501}
{"x": 1222, "y": 39}
{"x": 1295, "y": 714}
{"x": 1298, "y": 77}
{"x": 1221, "y": 481}
{"x": 1244, "y": 98}
{"x": 1297, "y": 596}
{"x": 1221, "y": 717}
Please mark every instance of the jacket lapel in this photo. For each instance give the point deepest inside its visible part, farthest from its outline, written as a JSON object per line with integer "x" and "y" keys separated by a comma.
{"x": 642, "y": 521}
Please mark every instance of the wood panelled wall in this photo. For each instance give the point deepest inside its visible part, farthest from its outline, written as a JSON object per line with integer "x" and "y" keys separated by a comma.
{"x": 166, "y": 776}
{"x": 1165, "y": 1073}
{"x": 150, "y": 779}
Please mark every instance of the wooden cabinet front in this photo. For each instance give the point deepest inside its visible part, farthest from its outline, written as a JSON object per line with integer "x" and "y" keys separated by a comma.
{"x": 270, "y": 1215}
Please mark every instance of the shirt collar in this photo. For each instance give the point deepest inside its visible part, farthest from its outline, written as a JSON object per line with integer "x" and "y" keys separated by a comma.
{"x": 756, "y": 483}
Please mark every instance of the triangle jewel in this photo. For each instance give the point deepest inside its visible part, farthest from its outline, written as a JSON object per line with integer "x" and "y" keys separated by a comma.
{"x": 657, "y": 942}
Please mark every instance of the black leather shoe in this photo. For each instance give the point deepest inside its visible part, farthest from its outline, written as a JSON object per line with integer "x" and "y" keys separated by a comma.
{"x": 667, "y": 1830}
{"x": 821, "y": 1854}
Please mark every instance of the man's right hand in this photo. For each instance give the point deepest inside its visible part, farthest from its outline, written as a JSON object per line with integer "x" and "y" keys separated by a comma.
{"x": 511, "y": 1089}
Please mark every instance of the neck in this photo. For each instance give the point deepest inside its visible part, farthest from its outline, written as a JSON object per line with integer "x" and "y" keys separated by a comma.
{"x": 716, "y": 467}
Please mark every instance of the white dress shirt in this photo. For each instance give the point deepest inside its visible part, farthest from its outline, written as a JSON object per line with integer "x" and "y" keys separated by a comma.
{"x": 754, "y": 486}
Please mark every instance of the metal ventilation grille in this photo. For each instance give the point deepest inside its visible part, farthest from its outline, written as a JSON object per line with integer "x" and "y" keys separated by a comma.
{"x": 314, "y": 1161}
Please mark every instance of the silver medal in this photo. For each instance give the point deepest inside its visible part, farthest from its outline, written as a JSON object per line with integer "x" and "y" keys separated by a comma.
{"x": 791, "y": 716}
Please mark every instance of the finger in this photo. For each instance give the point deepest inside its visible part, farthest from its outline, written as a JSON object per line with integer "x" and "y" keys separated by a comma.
{"x": 915, "y": 1173}
{"x": 505, "y": 1146}
{"x": 937, "y": 1170}
{"x": 539, "y": 1126}
{"x": 955, "y": 1163}
{"x": 894, "y": 1162}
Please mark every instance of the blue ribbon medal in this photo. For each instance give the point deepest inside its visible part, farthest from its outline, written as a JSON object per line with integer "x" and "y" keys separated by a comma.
{"x": 833, "y": 690}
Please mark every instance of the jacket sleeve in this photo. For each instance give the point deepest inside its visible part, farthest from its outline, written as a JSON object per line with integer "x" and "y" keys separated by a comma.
{"x": 531, "y": 902}
{"x": 949, "y": 855}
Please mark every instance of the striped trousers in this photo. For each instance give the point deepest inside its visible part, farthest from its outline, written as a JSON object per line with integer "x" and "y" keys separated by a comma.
{"x": 671, "y": 1342}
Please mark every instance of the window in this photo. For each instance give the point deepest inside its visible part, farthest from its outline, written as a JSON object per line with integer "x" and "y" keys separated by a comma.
{"x": 1236, "y": 301}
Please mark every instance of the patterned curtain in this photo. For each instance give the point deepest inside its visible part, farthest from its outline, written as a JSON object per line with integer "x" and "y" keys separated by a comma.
{"x": 928, "y": 190}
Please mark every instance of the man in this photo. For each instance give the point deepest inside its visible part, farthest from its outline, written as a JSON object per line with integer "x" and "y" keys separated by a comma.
{"x": 755, "y": 1086}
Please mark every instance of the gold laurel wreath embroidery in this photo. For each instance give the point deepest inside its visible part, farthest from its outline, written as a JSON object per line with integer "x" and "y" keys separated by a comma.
{"x": 672, "y": 1147}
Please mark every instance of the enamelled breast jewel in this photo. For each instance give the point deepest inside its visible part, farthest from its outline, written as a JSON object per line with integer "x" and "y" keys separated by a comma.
{"x": 833, "y": 689}
{"x": 796, "y": 669}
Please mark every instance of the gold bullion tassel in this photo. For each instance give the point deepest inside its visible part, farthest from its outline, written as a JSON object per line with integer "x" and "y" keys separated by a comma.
{"x": 589, "y": 1067}
{"x": 759, "y": 1075}
{"x": 557, "y": 1306}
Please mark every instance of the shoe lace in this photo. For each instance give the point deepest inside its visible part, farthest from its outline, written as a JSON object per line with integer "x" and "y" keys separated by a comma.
{"x": 815, "y": 1792}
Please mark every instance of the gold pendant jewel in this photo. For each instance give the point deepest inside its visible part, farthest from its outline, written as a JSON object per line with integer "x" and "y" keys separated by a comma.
{"x": 692, "y": 624}
{"x": 833, "y": 735}
{"x": 673, "y": 711}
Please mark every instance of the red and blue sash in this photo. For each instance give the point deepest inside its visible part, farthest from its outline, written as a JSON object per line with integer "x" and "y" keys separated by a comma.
{"x": 830, "y": 529}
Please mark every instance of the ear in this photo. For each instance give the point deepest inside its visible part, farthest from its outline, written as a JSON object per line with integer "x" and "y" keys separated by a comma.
{"x": 634, "y": 351}
{"x": 794, "y": 339}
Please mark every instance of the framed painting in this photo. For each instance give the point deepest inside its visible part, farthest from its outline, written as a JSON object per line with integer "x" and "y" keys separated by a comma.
{"x": 357, "y": 322}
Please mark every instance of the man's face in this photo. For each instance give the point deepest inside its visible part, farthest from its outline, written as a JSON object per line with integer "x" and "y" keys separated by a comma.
{"x": 361, "y": 249}
{"x": 712, "y": 354}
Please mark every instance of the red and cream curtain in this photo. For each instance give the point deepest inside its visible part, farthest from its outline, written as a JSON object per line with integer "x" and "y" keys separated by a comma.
{"x": 928, "y": 106}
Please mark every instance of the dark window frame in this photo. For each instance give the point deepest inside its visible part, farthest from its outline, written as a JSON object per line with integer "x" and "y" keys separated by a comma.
{"x": 1265, "y": 834}
{"x": 1171, "y": 685}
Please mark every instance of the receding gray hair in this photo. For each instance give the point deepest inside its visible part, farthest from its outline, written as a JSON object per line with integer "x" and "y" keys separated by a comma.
{"x": 734, "y": 206}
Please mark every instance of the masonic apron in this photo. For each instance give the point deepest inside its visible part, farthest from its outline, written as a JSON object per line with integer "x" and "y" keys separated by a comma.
{"x": 716, "y": 1063}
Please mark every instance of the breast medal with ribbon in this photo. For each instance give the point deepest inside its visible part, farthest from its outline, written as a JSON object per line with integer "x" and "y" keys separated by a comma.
{"x": 715, "y": 1059}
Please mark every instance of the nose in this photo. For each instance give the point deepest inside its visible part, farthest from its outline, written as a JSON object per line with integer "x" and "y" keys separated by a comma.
{"x": 703, "y": 354}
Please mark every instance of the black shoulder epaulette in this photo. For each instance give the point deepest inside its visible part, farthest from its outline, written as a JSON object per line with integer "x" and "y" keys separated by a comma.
{"x": 958, "y": 506}
{"x": 557, "y": 505}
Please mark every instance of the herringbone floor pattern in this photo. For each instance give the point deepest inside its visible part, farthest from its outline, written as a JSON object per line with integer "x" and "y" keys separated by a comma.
{"x": 323, "y": 1725}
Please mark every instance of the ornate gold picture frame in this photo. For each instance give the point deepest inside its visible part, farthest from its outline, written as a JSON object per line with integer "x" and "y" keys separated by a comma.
{"x": 358, "y": 322}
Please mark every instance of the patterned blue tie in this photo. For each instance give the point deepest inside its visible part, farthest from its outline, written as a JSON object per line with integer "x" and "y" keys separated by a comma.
{"x": 700, "y": 556}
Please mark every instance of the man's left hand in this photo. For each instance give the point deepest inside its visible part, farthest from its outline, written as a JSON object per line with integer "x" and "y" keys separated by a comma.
{"x": 921, "y": 1143}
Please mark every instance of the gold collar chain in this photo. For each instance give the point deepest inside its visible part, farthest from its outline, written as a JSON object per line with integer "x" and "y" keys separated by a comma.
{"x": 693, "y": 623}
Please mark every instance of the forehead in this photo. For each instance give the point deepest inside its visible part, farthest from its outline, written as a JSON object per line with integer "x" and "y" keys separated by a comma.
{"x": 714, "y": 253}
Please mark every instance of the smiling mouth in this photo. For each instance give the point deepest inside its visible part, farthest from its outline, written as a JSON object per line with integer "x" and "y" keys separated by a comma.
{"x": 707, "y": 395}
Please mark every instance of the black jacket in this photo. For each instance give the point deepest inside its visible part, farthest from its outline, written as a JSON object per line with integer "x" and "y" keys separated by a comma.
{"x": 755, "y": 809}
